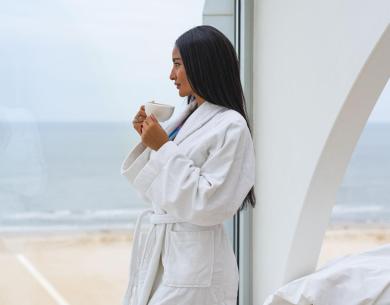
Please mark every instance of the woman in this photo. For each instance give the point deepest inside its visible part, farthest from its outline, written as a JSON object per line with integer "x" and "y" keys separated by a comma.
{"x": 195, "y": 174}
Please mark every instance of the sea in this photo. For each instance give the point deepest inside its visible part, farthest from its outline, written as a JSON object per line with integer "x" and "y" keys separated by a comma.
{"x": 66, "y": 176}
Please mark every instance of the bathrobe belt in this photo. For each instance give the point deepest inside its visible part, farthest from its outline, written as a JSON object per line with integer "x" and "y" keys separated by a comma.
{"x": 136, "y": 260}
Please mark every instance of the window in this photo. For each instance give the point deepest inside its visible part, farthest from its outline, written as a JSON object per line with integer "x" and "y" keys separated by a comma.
{"x": 362, "y": 211}
{"x": 73, "y": 74}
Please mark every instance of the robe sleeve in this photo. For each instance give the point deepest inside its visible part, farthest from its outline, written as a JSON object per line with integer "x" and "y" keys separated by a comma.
{"x": 205, "y": 195}
{"x": 133, "y": 164}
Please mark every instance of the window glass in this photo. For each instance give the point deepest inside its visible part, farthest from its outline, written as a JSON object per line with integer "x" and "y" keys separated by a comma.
{"x": 361, "y": 215}
{"x": 72, "y": 76}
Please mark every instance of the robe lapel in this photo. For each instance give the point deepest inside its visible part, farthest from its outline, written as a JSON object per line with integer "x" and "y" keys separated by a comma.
{"x": 205, "y": 112}
{"x": 171, "y": 125}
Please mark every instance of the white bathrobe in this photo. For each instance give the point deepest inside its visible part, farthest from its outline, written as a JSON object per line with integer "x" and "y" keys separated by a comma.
{"x": 193, "y": 184}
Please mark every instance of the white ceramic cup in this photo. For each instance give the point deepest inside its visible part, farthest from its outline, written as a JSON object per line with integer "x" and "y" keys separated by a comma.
{"x": 161, "y": 111}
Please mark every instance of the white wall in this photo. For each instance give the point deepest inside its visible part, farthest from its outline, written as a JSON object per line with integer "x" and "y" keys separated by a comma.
{"x": 317, "y": 77}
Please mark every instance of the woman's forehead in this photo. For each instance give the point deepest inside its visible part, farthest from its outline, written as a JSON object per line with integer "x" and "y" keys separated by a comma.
{"x": 175, "y": 54}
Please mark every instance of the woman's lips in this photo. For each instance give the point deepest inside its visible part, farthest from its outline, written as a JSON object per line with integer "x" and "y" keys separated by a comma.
{"x": 177, "y": 86}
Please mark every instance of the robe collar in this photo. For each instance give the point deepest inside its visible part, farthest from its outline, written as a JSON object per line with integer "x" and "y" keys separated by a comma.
{"x": 205, "y": 112}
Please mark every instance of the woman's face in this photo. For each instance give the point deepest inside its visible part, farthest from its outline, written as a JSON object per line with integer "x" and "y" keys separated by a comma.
{"x": 178, "y": 74}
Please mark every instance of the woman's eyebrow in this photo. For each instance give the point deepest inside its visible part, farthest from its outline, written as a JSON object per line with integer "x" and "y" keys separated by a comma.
{"x": 176, "y": 59}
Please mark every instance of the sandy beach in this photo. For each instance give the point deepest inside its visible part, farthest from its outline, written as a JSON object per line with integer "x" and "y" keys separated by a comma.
{"x": 64, "y": 268}
{"x": 92, "y": 267}
{"x": 350, "y": 239}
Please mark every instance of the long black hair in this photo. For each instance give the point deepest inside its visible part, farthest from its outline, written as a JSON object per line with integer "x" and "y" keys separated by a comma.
{"x": 213, "y": 72}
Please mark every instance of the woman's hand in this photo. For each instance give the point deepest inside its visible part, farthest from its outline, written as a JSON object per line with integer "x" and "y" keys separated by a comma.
{"x": 139, "y": 119}
{"x": 153, "y": 135}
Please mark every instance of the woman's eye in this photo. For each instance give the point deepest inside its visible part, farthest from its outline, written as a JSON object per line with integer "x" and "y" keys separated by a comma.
{"x": 176, "y": 64}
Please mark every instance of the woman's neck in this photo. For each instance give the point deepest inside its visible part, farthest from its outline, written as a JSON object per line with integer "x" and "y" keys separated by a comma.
{"x": 199, "y": 101}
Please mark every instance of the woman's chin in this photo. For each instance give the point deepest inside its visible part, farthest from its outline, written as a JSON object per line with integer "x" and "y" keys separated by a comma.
{"x": 184, "y": 92}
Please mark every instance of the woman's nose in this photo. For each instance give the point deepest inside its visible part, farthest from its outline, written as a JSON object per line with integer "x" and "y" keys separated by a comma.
{"x": 172, "y": 76}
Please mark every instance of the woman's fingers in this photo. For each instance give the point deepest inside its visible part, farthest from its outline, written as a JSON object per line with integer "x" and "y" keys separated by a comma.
{"x": 149, "y": 120}
{"x": 154, "y": 118}
{"x": 139, "y": 119}
{"x": 138, "y": 127}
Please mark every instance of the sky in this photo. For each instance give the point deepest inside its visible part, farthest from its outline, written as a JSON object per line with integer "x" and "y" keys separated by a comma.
{"x": 84, "y": 60}
{"x": 381, "y": 111}
{"x": 90, "y": 60}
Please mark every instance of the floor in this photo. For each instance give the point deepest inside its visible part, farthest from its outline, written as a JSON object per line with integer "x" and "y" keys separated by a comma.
{"x": 92, "y": 268}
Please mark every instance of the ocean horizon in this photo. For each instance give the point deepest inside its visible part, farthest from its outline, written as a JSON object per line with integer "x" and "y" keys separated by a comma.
{"x": 66, "y": 176}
